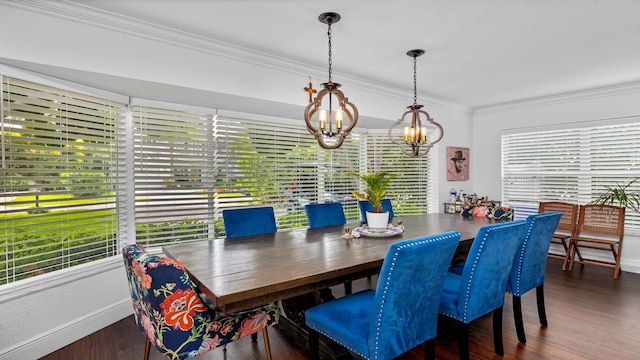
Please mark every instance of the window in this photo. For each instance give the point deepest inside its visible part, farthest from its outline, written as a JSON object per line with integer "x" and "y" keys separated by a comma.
{"x": 61, "y": 167}
{"x": 82, "y": 174}
{"x": 189, "y": 166}
{"x": 571, "y": 165}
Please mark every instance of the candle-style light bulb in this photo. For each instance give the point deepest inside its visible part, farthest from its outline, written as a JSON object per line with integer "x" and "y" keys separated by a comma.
{"x": 338, "y": 119}
{"x": 322, "y": 117}
{"x": 423, "y": 133}
{"x": 406, "y": 134}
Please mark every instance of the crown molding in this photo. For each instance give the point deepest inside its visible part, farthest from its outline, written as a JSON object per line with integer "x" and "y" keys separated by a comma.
{"x": 581, "y": 95}
{"x": 134, "y": 27}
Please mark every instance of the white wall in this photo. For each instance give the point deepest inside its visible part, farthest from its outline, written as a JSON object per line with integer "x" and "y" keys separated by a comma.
{"x": 45, "y": 313}
{"x": 567, "y": 110}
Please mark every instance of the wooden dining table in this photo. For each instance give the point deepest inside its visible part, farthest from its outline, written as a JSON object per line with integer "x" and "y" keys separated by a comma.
{"x": 245, "y": 272}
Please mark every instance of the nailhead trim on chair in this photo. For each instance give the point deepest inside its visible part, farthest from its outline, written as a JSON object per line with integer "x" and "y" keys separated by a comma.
{"x": 521, "y": 257}
{"x": 332, "y": 338}
{"x": 384, "y": 296}
{"x": 386, "y": 285}
{"x": 473, "y": 268}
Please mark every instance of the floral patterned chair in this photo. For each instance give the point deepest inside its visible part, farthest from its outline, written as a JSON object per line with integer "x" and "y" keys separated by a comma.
{"x": 168, "y": 309}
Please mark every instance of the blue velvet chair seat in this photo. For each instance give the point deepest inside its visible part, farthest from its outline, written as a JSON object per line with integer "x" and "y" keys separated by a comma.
{"x": 450, "y": 293}
{"x": 355, "y": 312}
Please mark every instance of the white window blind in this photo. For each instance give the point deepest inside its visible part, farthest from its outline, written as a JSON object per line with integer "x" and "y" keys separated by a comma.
{"x": 173, "y": 175}
{"x": 572, "y": 165}
{"x": 281, "y": 165}
{"x": 61, "y": 169}
{"x": 409, "y": 193}
{"x": 65, "y": 192}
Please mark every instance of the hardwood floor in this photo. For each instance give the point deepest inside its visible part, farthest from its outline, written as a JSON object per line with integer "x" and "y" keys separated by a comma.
{"x": 591, "y": 316}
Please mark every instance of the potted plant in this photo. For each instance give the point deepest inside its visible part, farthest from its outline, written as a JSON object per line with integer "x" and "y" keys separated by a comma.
{"x": 620, "y": 195}
{"x": 376, "y": 190}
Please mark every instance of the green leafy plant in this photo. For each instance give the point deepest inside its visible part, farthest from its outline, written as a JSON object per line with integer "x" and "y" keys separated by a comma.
{"x": 620, "y": 195}
{"x": 376, "y": 190}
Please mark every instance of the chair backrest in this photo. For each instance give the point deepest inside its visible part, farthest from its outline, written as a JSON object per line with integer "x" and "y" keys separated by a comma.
{"x": 408, "y": 294}
{"x": 569, "y": 218}
{"x": 157, "y": 284}
{"x": 484, "y": 276}
{"x": 605, "y": 221}
{"x": 326, "y": 214}
{"x": 531, "y": 259}
{"x": 367, "y": 206}
{"x": 249, "y": 221}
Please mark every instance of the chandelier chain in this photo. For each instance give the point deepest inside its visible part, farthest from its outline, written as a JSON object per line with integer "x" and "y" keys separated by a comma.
{"x": 415, "y": 81}
{"x": 330, "y": 62}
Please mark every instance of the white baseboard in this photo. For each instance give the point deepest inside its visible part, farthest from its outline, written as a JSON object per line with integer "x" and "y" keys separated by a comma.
{"x": 632, "y": 266}
{"x": 46, "y": 343}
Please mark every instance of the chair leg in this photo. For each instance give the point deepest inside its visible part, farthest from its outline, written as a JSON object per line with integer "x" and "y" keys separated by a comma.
{"x": 430, "y": 349}
{"x": 567, "y": 250}
{"x": 572, "y": 255}
{"x": 616, "y": 257}
{"x": 463, "y": 341}
{"x": 267, "y": 346}
{"x": 497, "y": 331}
{"x": 314, "y": 345}
{"x": 542, "y": 312}
{"x": 517, "y": 315}
{"x": 579, "y": 255}
{"x": 347, "y": 288}
{"x": 567, "y": 257}
{"x": 147, "y": 349}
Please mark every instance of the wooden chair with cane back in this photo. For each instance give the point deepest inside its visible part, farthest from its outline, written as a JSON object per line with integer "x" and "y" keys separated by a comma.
{"x": 565, "y": 230}
{"x": 600, "y": 227}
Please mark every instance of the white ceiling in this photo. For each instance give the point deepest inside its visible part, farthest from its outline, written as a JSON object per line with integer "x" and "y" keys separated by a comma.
{"x": 478, "y": 53}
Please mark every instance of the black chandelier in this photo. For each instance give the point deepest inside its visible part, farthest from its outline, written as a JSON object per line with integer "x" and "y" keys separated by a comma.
{"x": 330, "y": 130}
{"x": 415, "y": 137}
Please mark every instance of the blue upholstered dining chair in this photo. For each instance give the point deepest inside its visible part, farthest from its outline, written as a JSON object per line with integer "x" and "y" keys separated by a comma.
{"x": 367, "y": 206}
{"x": 168, "y": 309}
{"x": 530, "y": 265}
{"x": 479, "y": 288}
{"x": 249, "y": 221}
{"x": 326, "y": 214}
{"x": 401, "y": 313}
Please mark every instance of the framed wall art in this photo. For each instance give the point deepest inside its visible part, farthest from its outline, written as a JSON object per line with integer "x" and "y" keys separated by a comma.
{"x": 457, "y": 163}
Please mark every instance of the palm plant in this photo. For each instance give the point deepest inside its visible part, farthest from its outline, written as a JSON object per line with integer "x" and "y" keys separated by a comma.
{"x": 376, "y": 190}
{"x": 620, "y": 195}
